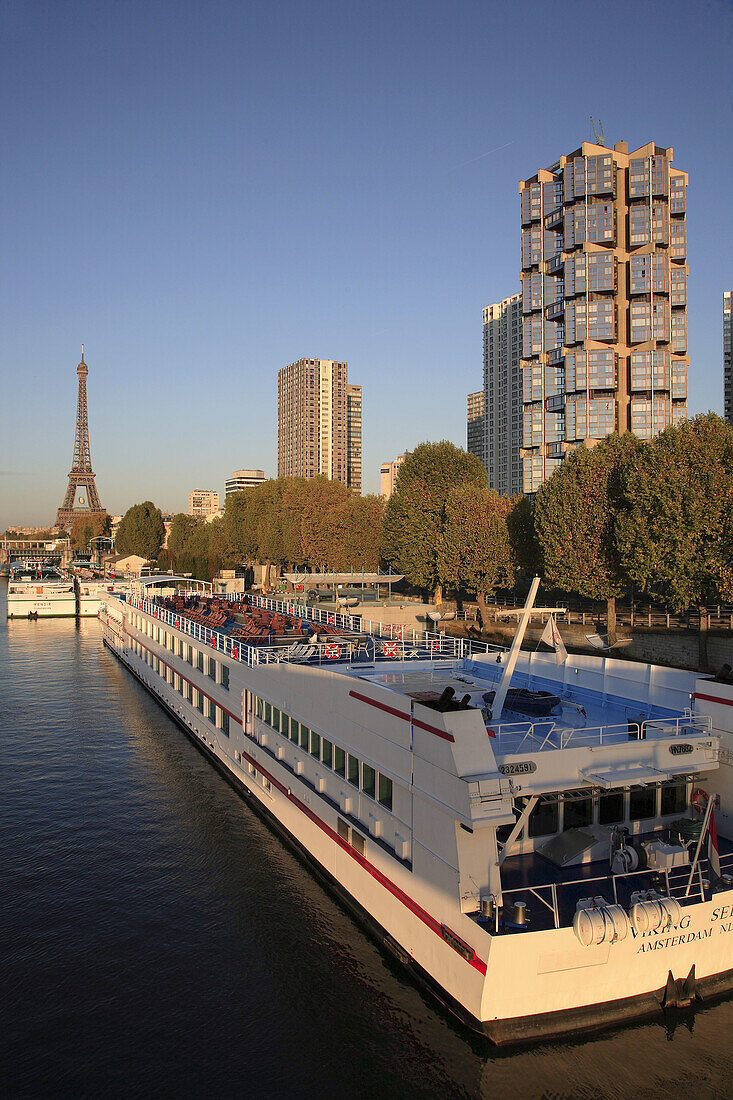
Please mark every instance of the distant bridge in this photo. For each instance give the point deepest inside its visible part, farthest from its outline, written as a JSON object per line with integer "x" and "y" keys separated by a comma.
{"x": 26, "y": 549}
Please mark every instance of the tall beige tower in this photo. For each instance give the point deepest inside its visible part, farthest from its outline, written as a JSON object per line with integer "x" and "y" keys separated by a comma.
{"x": 604, "y": 301}
{"x": 319, "y": 422}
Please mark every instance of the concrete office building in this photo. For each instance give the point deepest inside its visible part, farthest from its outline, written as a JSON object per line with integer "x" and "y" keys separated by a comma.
{"x": 243, "y": 479}
{"x": 475, "y": 425}
{"x": 727, "y": 360}
{"x": 604, "y": 292}
{"x": 202, "y": 502}
{"x": 388, "y": 475}
{"x": 503, "y": 394}
{"x": 319, "y": 422}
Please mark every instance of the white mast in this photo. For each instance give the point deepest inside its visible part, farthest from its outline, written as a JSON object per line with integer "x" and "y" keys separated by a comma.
{"x": 498, "y": 704}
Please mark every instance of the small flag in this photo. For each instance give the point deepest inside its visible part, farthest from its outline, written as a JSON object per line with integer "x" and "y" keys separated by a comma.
{"x": 551, "y": 636}
{"x": 713, "y": 853}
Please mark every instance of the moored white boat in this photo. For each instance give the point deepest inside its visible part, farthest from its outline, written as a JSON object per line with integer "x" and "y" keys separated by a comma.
{"x": 39, "y": 590}
{"x": 93, "y": 593}
{"x": 541, "y": 877}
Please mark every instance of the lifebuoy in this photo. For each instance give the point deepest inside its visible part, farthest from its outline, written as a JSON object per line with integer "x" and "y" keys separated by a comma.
{"x": 235, "y": 652}
{"x": 435, "y": 645}
{"x": 398, "y": 632}
{"x": 390, "y": 649}
{"x": 213, "y": 640}
{"x": 699, "y": 800}
{"x": 333, "y": 651}
{"x": 331, "y": 620}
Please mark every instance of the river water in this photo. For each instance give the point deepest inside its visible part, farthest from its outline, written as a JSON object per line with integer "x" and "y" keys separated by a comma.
{"x": 156, "y": 939}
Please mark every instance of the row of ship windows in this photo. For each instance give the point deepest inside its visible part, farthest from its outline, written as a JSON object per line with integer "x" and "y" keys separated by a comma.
{"x": 203, "y": 703}
{"x": 355, "y": 771}
{"x": 215, "y": 670}
{"x": 354, "y": 839}
{"x": 579, "y": 810}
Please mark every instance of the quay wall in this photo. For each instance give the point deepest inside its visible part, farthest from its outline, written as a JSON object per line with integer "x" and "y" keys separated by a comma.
{"x": 673, "y": 648}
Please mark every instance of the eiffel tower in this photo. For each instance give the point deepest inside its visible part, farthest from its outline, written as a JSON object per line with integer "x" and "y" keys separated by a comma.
{"x": 82, "y": 498}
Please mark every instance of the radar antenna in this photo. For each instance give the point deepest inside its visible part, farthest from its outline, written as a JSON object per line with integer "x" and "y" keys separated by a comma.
{"x": 598, "y": 135}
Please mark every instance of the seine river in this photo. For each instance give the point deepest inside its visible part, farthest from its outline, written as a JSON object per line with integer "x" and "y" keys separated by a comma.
{"x": 156, "y": 939}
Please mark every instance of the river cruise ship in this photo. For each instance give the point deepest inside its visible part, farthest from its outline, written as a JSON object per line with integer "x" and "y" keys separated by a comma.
{"x": 38, "y": 590}
{"x": 542, "y": 875}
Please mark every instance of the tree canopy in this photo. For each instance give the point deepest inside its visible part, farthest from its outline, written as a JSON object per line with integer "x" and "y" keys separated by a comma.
{"x": 676, "y": 537}
{"x": 86, "y": 528}
{"x": 296, "y": 523}
{"x": 475, "y": 551}
{"x": 414, "y": 519}
{"x": 576, "y": 514}
{"x": 141, "y": 531}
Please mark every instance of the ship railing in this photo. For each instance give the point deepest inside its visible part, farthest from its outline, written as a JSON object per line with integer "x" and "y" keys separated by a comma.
{"x": 236, "y": 648}
{"x": 300, "y": 610}
{"x": 368, "y": 649}
{"x": 425, "y": 645}
{"x": 669, "y": 883}
{"x": 518, "y": 737}
{"x": 398, "y": 632}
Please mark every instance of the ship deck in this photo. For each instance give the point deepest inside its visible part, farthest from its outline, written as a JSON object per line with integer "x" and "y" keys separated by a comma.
{"x": 420, "y": 665}
{"x": 551, "y": 893}
{"x": 584, "y": 716}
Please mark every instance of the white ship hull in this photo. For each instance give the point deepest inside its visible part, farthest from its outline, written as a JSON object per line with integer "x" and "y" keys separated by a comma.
{"x": 45, "y": 604}
{"x": 538, "y": 983}
{"x": 94, "y": 594}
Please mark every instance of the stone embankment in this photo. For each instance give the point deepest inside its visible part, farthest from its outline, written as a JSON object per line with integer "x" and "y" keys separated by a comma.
{"x": 675, "y": 648}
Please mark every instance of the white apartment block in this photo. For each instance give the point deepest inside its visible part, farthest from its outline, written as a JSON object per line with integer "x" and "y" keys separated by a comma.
{"x": 203, "y": 502}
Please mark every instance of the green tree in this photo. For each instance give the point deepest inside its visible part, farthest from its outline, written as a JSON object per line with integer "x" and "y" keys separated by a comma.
{"x": 476, "y": 551}
{"x": 359, "y": 523}
{"x": 576, "y": 514}
{"x": 190, "y": 546}
{"x": 323, "y": 521}
{"x": 141, "y": 531}
{"x": 86, "y": 528}
{"x": 676, "y": 538}
{"x": 414, "y": 518}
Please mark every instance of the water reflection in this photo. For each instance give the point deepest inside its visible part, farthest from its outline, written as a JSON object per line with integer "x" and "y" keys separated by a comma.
{"x": 161, "y": 939}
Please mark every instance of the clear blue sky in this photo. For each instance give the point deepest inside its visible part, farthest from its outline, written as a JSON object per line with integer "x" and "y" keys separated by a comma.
{"x": 204, "y": 192}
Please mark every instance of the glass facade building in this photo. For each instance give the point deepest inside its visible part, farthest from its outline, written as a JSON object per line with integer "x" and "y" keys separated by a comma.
{"x": 603, "y": 301}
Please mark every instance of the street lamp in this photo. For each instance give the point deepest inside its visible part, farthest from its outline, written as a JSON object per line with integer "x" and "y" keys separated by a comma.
{"x": 99, "y": 539}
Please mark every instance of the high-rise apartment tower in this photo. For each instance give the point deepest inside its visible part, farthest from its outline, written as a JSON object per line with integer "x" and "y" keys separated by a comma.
{"x": 727, "y": 356}
{"x": 503, "y": 394}
{"x": 604, "y": 293}
{"x": 319, "y": 422}
{"x": 475, "y": 425}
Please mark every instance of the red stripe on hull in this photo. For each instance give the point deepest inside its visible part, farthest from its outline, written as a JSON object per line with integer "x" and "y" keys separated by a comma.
{"x": 401, "y": 714}
{"x": 428, "y": 920}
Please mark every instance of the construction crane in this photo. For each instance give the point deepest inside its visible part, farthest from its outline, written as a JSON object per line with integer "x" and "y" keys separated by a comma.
{"x": 598, "y": 135}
